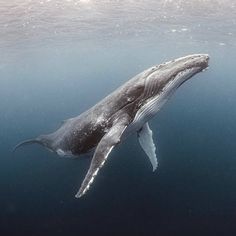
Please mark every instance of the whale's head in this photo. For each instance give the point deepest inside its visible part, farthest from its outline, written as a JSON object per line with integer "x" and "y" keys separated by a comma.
{"x": 161, "y": 81}
{"x": 169, "y": 76}
{"x": 183, "y": 68}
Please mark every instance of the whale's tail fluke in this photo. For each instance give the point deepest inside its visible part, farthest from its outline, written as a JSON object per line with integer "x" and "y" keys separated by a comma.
{"x": 26, "y": 142}
{"x": 44, "y": 140}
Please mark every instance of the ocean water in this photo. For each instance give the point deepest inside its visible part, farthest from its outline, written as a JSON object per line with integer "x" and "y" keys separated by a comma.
{"x": 58, "y": 58}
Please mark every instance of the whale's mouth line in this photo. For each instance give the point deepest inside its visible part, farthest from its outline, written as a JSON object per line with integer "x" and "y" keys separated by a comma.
{"x": 179, "y": 79}
{"x": 187, "y": 73}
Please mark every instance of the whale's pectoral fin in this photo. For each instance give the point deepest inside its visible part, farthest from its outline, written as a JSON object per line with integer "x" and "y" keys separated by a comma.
{"x": 146, "y": 142}
{"x": 105, "y": 146}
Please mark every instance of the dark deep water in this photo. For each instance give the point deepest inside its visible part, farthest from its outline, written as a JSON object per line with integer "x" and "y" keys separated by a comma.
{"x": 58, "y": 58}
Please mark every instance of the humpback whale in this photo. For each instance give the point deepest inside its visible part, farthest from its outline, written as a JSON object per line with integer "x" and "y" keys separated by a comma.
{"x": 125, "y": 111}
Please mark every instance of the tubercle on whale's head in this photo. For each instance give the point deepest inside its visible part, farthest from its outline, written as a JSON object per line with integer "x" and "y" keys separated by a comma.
{"x": 199, "y": 61}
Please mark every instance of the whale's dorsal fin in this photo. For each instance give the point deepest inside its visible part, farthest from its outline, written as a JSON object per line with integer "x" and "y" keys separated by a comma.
{"x": 105, "y": 146}
{"x": 146, "y": 142}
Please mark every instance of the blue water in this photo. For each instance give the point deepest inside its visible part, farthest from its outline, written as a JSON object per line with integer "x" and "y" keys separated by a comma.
{"x": 58, "y": 58}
